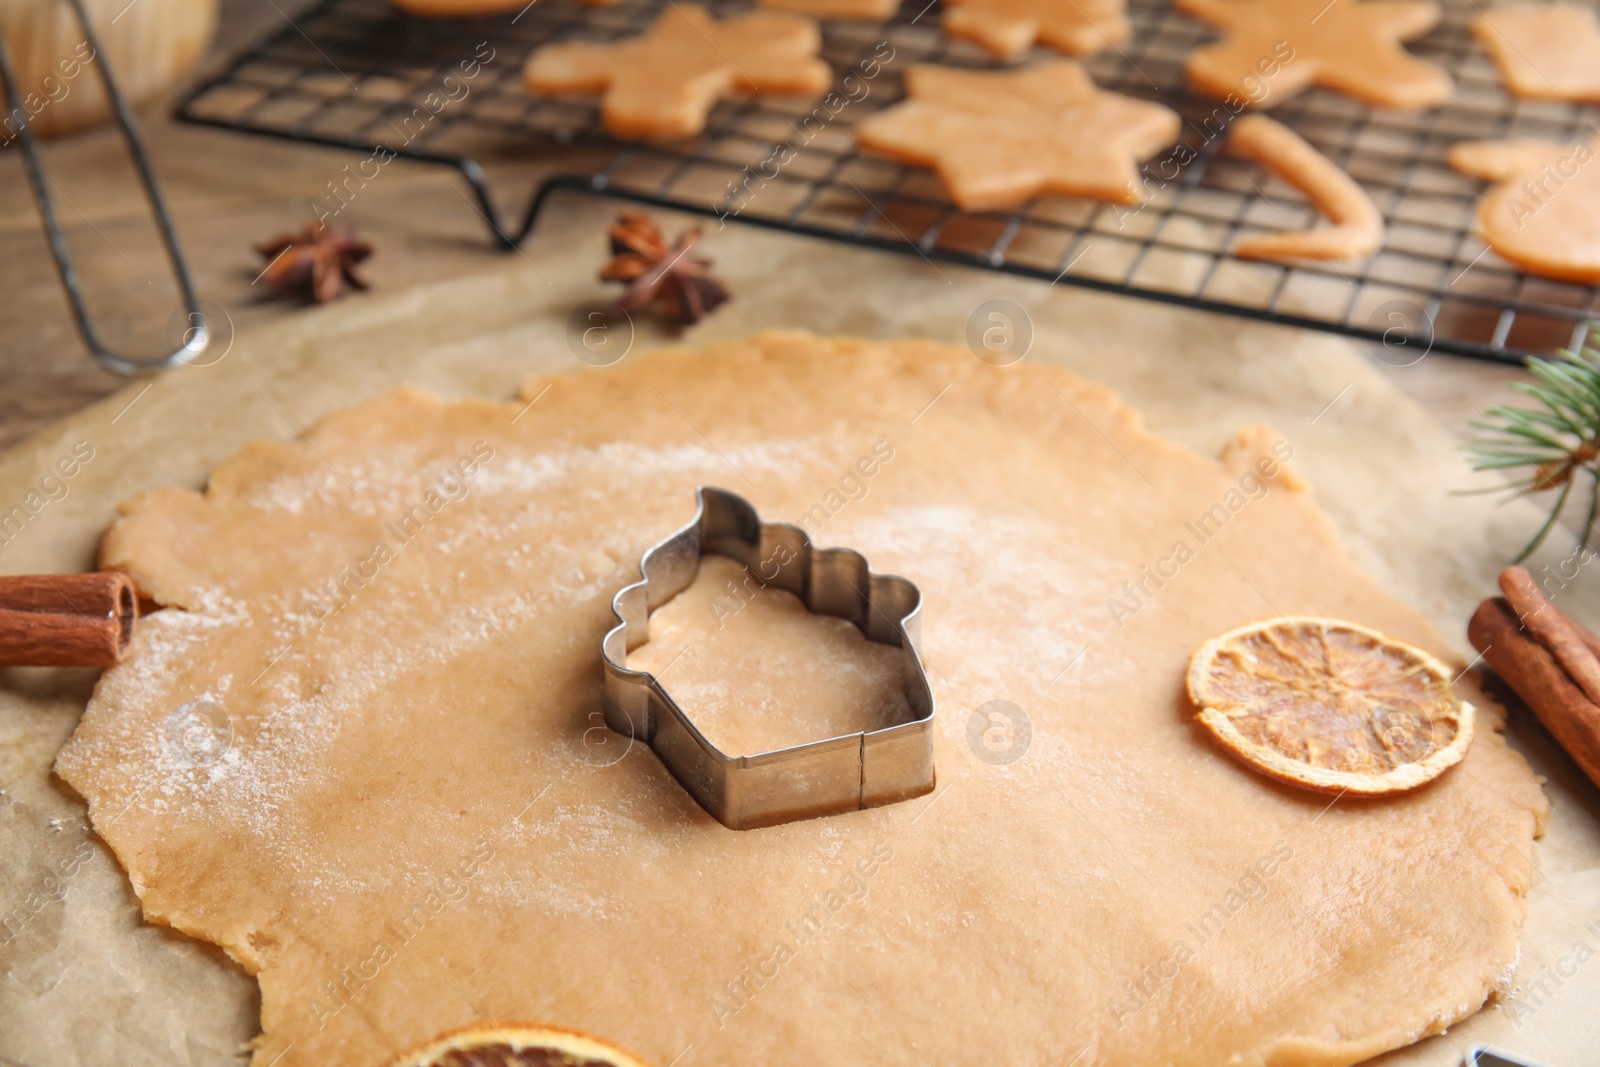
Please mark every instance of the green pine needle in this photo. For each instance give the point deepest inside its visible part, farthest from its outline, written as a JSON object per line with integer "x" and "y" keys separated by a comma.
{"x": 1556, "y": 443}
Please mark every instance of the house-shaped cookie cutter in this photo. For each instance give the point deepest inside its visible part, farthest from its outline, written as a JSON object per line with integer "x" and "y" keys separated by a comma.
{"x": 837, "y": 774}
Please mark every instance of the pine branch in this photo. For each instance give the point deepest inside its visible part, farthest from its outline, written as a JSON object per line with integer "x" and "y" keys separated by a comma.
{"x": 1554, "y": 444}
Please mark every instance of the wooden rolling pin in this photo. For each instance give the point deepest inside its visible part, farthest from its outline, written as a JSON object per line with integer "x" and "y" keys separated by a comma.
{"x": 66, "y": 620}
{"x": 1551, "y": 661}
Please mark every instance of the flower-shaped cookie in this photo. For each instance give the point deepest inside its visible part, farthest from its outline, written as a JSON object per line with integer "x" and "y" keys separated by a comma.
{"x": 999, "y": 138}
{"x": 662, "y": 84}
{"x": 1010, "y": 27}
{"x": 1349, "y": 46}
{"x": 1543, "y": 212}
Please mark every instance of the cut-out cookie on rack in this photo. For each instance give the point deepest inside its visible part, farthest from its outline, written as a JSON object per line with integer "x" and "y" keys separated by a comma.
{"x": 1544, "y": 51}
{"x": 1357, "y": 227}
{"x": 865, "y": 10}
{"x": 1008, "y": 28}
{"x": 1543, "y": 212}
{"x": 1349, "y": 46}
{"x": 997, "y": 139}
{"x": 663, "y": 83}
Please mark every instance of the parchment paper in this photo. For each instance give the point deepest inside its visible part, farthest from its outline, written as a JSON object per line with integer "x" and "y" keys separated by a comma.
{"x": 84, "y": 981}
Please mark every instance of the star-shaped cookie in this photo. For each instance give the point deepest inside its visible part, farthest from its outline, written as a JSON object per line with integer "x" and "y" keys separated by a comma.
{"x": 662, "y": 84}
{"x": 1543, "y": 212}
{"x": 1010, "y": 27}
{"x": 1544, "y": 51}
{"x": 999, "y": 138}
{"x": 1273, "y": 49}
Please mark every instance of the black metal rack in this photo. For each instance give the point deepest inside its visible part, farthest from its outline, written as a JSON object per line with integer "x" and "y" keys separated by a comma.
{"x": 357, "y": 74}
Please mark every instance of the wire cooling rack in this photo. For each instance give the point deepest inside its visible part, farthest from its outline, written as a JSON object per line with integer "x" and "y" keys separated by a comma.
{"x": 360, "y": 74}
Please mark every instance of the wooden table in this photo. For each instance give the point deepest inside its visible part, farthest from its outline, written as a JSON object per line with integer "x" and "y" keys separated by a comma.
{"x": 229, "y": 191}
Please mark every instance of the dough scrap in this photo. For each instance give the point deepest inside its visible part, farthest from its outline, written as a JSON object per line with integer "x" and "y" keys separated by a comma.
{"x": 406, "y": 827}
{"x": 1544, "y": 51}
{"x": 1349, "y": 46}
{"x": 662, "y": 84}
{"x": 999, "y": 138}
{"x": 1543, "y": 210}
{"x": 1008, "y": 28}
{"x": 1357, "y": 228}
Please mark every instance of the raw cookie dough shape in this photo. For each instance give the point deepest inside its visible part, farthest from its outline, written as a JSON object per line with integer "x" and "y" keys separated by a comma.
{"x": 998, "y": 138}
{"x": 1544, "y": 51}
{"x": 824, "y": 777}
{"x": 865, "y": 10}
{"x": 406, "y": 830}
{"x": 1349, "y": 46}
{"x": 1007, "y": 28}
{"x": 1543, "y": 211}
{"x": 662, "y": 84}
{"x": 1357, "y": 228}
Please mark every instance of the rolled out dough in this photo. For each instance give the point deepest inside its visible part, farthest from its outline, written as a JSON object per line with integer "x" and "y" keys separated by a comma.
{"x": 743, "y": 661}
{"x": 399, "y": 823}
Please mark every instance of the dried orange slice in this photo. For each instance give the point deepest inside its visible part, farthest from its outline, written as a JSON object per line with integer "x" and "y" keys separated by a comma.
{"x": 1330, "y": 706}
{"x": 516, "y": 1045}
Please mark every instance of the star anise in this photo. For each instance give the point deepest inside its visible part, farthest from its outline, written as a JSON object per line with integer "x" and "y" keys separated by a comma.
{"x": 675, "y": 278}
{"x": 319, "y": 258}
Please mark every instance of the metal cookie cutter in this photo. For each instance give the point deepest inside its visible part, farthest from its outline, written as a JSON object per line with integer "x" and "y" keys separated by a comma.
{"x": 1489, "y": 1056}
{"x": 861, "y": 770}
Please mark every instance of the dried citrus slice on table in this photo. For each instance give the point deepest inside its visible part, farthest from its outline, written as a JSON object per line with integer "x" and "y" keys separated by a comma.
{"x": 1330, "y": 706}
{"x": 516, "y": 1045}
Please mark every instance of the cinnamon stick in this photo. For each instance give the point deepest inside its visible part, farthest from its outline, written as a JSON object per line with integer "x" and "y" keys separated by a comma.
{"x": 1540, "y": 680}
{"x": 66, "y": 620}
{"x": 1588, "y": 638}
{"x": 1551, "y": 628}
